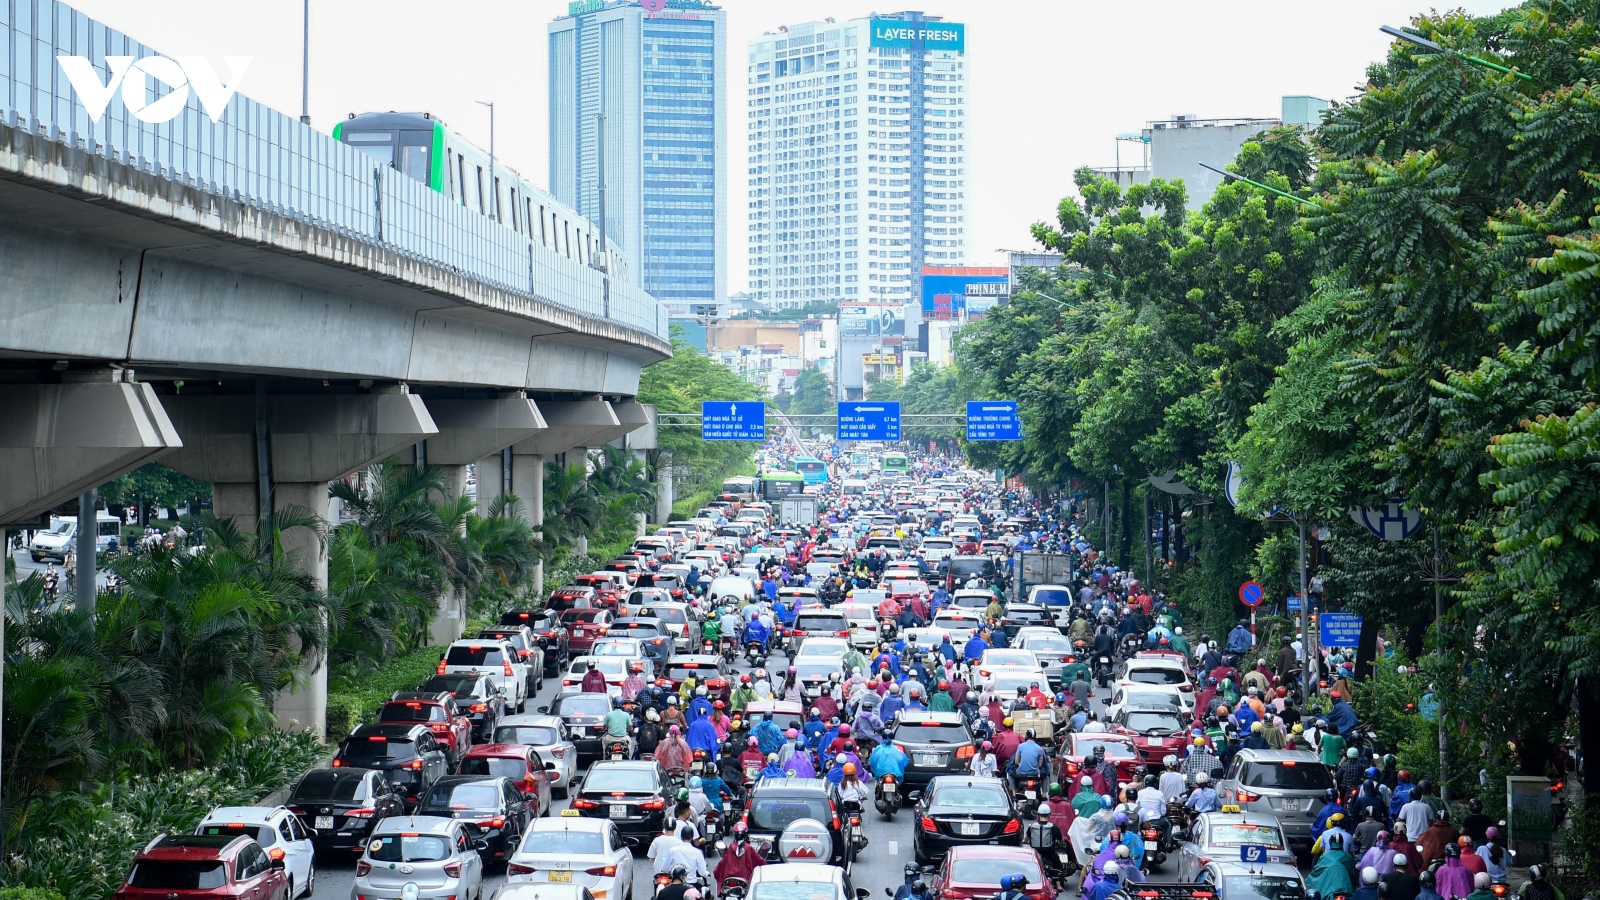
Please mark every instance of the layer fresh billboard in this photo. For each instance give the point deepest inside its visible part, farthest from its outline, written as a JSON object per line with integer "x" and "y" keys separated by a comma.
{"x": 927, "y": 35}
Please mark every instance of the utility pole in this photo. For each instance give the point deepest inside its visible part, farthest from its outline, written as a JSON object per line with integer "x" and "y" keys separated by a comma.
{"x": 494, "y": 191}
{"x": 305, "y": 65}
{"x": 1438, "y": 577}
{"x": 1305, "y": 616}
{"x": 600, "y": 170}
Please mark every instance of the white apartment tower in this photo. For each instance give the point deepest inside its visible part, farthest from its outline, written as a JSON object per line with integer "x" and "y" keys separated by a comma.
{"x": 858, "y": 150}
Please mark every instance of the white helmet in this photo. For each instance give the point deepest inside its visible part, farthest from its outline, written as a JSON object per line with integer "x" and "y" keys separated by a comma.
{"x": 1202, "y": 778}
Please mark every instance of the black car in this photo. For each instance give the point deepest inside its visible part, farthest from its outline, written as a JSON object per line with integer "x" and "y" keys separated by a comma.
{"x": 476, "y": 695}
{"x": 963, "y": 809}
{"x": 651, "y": 633}
{"x": 585, "y": 717}
{"x": 493, "y": 805}
{"x": 528, "y": 648}
{"x": 634, "y": 794}
{"x": 935, "y": 743}
{"x": 549, "y": 632}
{"x": 1021, "y": 615}
{"x": 407, "y": 755}
{"x": 341, "y": 806}
{"x": 959, "y": 569}
{"x": 777, "y": 803}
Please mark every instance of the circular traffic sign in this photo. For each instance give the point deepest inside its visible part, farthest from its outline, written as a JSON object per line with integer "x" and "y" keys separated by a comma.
{"x": 1251, "y": 594}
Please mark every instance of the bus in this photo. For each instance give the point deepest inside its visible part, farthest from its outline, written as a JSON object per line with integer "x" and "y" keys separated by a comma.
{"x": 896, "y": 463}
{"x": 814, "y": 470}
{"x": 743, "y": 488}
{"x": 777, "y": 485}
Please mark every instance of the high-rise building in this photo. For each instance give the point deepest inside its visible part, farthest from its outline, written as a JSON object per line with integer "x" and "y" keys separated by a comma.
{"x": 857, "y": 159}
{"x": 656, "y": 75}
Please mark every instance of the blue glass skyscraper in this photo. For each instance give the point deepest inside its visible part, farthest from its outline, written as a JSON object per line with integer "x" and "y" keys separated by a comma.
{"x": 657, "y": 77}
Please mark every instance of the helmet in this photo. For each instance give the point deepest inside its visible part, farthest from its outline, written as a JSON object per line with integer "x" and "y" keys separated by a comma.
{"x": 1369, "y": 875}
{"x": 791, "y": 670}
{"x": 1400, "y": 861}
{"x": 987, "y": 746}
{"x": 1086, "y": 781}
{"x": 772, "y": 757}
{"x": 1465, "y": 842}
{"x": 1452, "y": 851}
{"x": 1536, "y": 872}
{"x": 1055, "y": 789}
{"x": 844, "y": 730}
{"x": 1475, "y": 805}
{"x": 1330, "y": 795}
{"x": 1111, "y": 869}
{"x": 1005, "y": 882}
{"x": 740, "y": 829}
{"x": 1372, "y": 772}
{"x": 1044, "y": 810}
{"x": 672, "y": 699}
{"x": 911, "y": 870}
{"x": 1427, "y": 878}
{"x": 700, "y": 691}
{"x": 1028, "y": 735}
{"x": 1352, "y": 753}
{"x": 674, "y": 730}
{"x": 1482, "y": 880}
{"x": 849, "y": 768}
{"x": 718, "y": 704}
{"x": 1150, "y": 781}
{"x": 750, "y": 742}
{"x": 1403, "y": 775}
{"x": 1169, "y": 761}
{"x": 695, "y": 783}
{"x": 1491, "y": 833}
{"x": 1105, "y": 802}
{"x": 616, "y": 702}
{"x": 745, "y": 678}
{"x": 679, "y": 873}
{"x": 1006, "y": 721}
{"x": 1199, "y": 742}
{"x": 1202, "y": 778}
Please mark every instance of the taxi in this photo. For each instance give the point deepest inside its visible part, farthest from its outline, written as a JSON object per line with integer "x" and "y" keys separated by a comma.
{"x": 1221, "y": 835}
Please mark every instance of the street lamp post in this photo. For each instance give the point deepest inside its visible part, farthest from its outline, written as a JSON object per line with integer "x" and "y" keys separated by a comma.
{"x": 1421, "y": 41}
{"x": 305, "y": 64}
{"x": 494, "y": 192}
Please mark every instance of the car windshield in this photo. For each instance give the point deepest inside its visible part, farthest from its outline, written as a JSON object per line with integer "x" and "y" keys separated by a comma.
{"x": 778, "y": 813}
{"x": 1152, "y": 700}
{"x": 1008, "y": 658}
{"x": 607, "y": 666}
{"x": 625, "y": 647}
{"x": 1237, "y": 834}
{"x": 484, "y": 655}
{"x": 525, "y": 734}
{"x": 627, "y": 780}
{"x": 579, "y": 615}
{"x": 1113, "y": 749}
{"x": 412, "y": 712}
{"x": 1157, "y": 722}
{"x": 1157, "y": 675}
{"x": 551, "y": 842}
{"x": 464, "y": 795}
{"x": 828, "y": 649}
{"x": 815, "y": 670}
{"x": 932, "y": 733}
{"x": 990, "y": 871}
{"x": 457, "y": 685}
{"x": 580, "y": 705}
{"x": 326, "y": 784}
{"x": 408, "y": 848}
{"x": 178, "y": 875}
{"x": 795, "y": 890}
{"x": 359, "y": 751}
{"x": 666, "y": 614}
{"x": 1262, "y": 887}
{"x": 265, "y": 835}
{"x": 502, "y": 766}
{"x": 1052, "y": 596}
{"x": 698, "y": 671}
{"x": 813, "y": 622}
{"x": 976, "y": 796}
{"x": 1048, "y": 645}
{"x": 1289, "y": 775}
{"x": 1008, "y": 682}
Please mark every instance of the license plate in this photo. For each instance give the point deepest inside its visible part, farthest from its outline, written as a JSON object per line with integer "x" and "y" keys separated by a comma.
{"x": 969, "y": 828}
{"x": 619, "y": 811}
{"x": 891, "y": 788}
{"x": 323, "y": 822}
{"x": 1032, "y": 795}
{"x": 561, "y": 876}
{"x": 698, "y": 766}
{"x": 930, "y": 759}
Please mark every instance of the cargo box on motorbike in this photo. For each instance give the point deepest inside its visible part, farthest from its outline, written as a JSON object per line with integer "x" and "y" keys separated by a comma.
{"x": 1044, "y": 722}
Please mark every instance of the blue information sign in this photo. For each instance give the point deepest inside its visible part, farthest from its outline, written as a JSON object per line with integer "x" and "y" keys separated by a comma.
{"x": 993, "y": 420}
{"x": 1295, "y": 604}
{"x": 1253, "y": 853}
{"x": 869, "y": 420}
{"x": 1340, "y": 629}
{"x": 724, "y": 421}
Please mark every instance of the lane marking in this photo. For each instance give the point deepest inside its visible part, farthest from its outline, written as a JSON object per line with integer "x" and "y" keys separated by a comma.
{"x": 894, "y": 848}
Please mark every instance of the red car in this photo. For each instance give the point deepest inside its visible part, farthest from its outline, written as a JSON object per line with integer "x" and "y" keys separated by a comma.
{"x": 605, "y": 589}
{"x": 450, "y": 725}
{"x": 585, "y": 626}
{"x": 1119, "y": 749}
{"x": 974, "y": 871}
{"x": 1155, "y": 732}
{"x": 702, "y": 668}
{"x": 185, "y": 866}
{"x": 572, "y": 596}
{"x": 518, "y": 762}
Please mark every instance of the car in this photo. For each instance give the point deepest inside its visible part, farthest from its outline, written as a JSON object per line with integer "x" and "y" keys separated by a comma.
{"x": 548, "y": 735}
{"x": 279, "y": 832}
{"x": 493, "y": 657}
{"x": 585, "y": 626}
{"x": 1006, "y": 657}
{"x": 800, "y": 597}
{"x": 1050, "y": 647}
{"x": 674, "y": 615}
{"x": 813, "y": 673}
{"x": 734, "y": 586}
{"x": 1288, "y": 784}
{"x": 959, "y": 570}
{"x": 440, "y": 856}
{"x": 935, "y": 549}
{"x": 633, "y": 795}
{"x": 671, "y": 582}
{"x": 1023, "y": 615}
{"x": 704, "y": 668}
{"x": 1235, "y": 880}
{"x": 476, "y": 694}
{"x": 574, "y": 851}
{"x": 963, "y": 809}
{"x": 643, "y": 597}
{"x": 1219, "y": 835}
{"x": 812, "y": 881}
{"x": 1158, "y": 671}
{"x": 435, "y": 709}
{"x": 812, "y": 622}
{"x": 1118, "y": 748}
{"x": 960, "y": 623}
{"x": 935, "y": 743}
{"x": 522, "y": 764}
{"x": 1004, "y": 679}
{"x": 863, "y": 624}
{"x": 548, "y": 630}
{"x": 1156, "y": 733}
{"x": 407, "y": 755}
{"x": 974, "y": 871}
{"x": 777, "y": 803}
{"x": 584, "y": 715}
{"x": 495, "y": 806}
{"x": 1143, "y": 696}
{"x": 611, "y": 645}
{"x": 338, "y": 807}
{"x": 523, "y": 640}
{"x": 614, "y": 668}
{"x": 195, "y": 865}
{"x": 573, "y": 596}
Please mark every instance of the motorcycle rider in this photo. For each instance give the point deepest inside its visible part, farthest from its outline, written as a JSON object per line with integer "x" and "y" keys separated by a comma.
{"x": 1172, "y": 784}
{"x": 619, "y": 727}
{"x": 887, "y": 759}
{"x": 1203, "y": 799}
{"x": 912, "y": 889}
{"x": 1043, "y": 836}
{"x": 673, "y": 752}
{"x": 594, "y": 681}
{"x": 1030, "y": 761}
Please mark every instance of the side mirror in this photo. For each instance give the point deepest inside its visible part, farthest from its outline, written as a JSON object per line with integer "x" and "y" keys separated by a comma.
{"x": 275, "y": 865}
{"x": 480, "y": 845}
{"x": 889, "y": 892}
{"x": 545, "y": 710}
{"x": 863, "y": 894}
{"x": 721, "y": 846}
{"x": 549, "y": 766}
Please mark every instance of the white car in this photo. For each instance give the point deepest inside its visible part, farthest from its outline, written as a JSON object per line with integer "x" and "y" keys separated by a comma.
{"x": 812, "y": 881}
{"x": 962, "y": 624}
{"x": 1049, "y": 646}
{"x": 524, "y": 890}
{"x": 1148, "y": 696}
{"x": 863, "y": 623}
{"x": 937, "y": 548}
{"x": 1162, "y": 671}
{"x": 627, "y": 648}
{"x": 673, "y": 615}
{"x": 571, "y": 849}
{"x": 614, "y": 668}
{"x": 823, "y": 647}
{"x": 279, "y": 832}
{"x": 731, "y": 586}
{"x": 495, "y": 658}
{"x": 548, "y": 735}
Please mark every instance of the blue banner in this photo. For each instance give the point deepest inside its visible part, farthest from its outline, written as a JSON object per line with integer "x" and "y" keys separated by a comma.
{"x": 993, "y": 420}
{"x": 869, "y": 420}
{"x": 721, "y": 420}
{"x": 1340, "y": 629}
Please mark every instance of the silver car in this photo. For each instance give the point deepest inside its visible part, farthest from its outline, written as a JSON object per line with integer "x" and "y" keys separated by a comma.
{"x": 438, "y": 855}
{"x": 548, "y": 735}
{"x": 1051, "y": 647}
{"x": 1224, "y": 835}
{"x": 1287, "y": 784}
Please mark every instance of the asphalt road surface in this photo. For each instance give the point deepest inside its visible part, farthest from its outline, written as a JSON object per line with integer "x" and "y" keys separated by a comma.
{"x": 880, "y": 865}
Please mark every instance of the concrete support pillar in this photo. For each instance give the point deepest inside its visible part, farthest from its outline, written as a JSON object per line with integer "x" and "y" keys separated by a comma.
{"x": 527, "y": 482}
{"x": 664, "y": 497}
{"x": 303, "y": 442}
{"x": 573, "y": 425}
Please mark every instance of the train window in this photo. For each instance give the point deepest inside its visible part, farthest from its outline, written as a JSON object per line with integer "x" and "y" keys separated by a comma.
{"x": 377, "y": 144}
{"x": 450, "y": 172}
{"x": 481, "y": 207}
{"x": 543, "y": 240}
{"x": 495, "y": 204}
{"x": 514, "y": 217}
{"x": 461, "y": 177}
{"x": 566, "y": 237}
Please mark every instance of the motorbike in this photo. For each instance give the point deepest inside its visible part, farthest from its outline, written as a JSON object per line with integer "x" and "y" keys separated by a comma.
{"x": 854, "y": 836}
{"x": 734, "y": 888}
{"x": 618, "y": 748}
{"x": 1030, "y": 798}
{"x": 730, "y": 648}
{"x": 1131, "y": 644}
{"x": 755, "y": 653}
{"x": 887, "y": 629}
{"x": 1156, "y": 844}
{"x": 1102, "y": 670}
{"x": 887, "y": 797}
{"x": 698, "y": 765}
{"x": 710, "y": 829}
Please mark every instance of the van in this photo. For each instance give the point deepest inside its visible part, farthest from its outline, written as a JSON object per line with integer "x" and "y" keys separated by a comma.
{"x": 62, "y": 537}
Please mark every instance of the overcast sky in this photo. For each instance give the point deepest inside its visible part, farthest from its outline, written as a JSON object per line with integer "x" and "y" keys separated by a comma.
{"x": 1052, "y": 81}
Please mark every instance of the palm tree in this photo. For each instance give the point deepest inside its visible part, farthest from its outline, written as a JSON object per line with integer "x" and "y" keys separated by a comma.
{"x": 572, "y": 509}
{"x": 509, "y": 550}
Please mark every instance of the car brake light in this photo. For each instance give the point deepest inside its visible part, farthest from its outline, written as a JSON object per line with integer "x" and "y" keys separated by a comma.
{"x": 276, "y": 853}
{"x": 928, "y": 824}
{"x": 1290, "y": 763}
{"x": 1013, "y": 826}
{"x": 508, "y": 670}
{"x": 966, "y": 752}
{"x": 362, "y": 868}
{"x": 524, "y": 653}
{"x": 378, "y": 739}
{"x": 656, "y": 803}
{"x": 453, "y": 870}
{"x": 518, "y": 869}
{"x": 1247, "y": 797}
{"x": 479, "y": 707}
{"x": 581, "y": 803}
{"x": 440, "y": 670}
{"x": 336, "y": 762}
{"x": 559, "y": 752}
{"x": 567, "y": 682}
{"x": 365, "y": 812}
{"x": 415, "y": 765}
{"x": 496, "y": 822}
{"x": 602, "y": 871}
{"x": 440, "y": 726}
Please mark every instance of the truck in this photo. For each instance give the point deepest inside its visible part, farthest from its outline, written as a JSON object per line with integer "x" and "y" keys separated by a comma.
{"x": 1046, "y": 579}
{"x": 62, "y": 537}
{"x": 798, "y": 510}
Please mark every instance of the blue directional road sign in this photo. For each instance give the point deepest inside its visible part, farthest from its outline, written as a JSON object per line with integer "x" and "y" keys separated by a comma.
{"x": 1340, "y": 629}
{"x": 993, "y": 420}
{"x": 869, "y": 420}
{"x": 1253, "y": 853}
{"x": 721, "y": 420}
